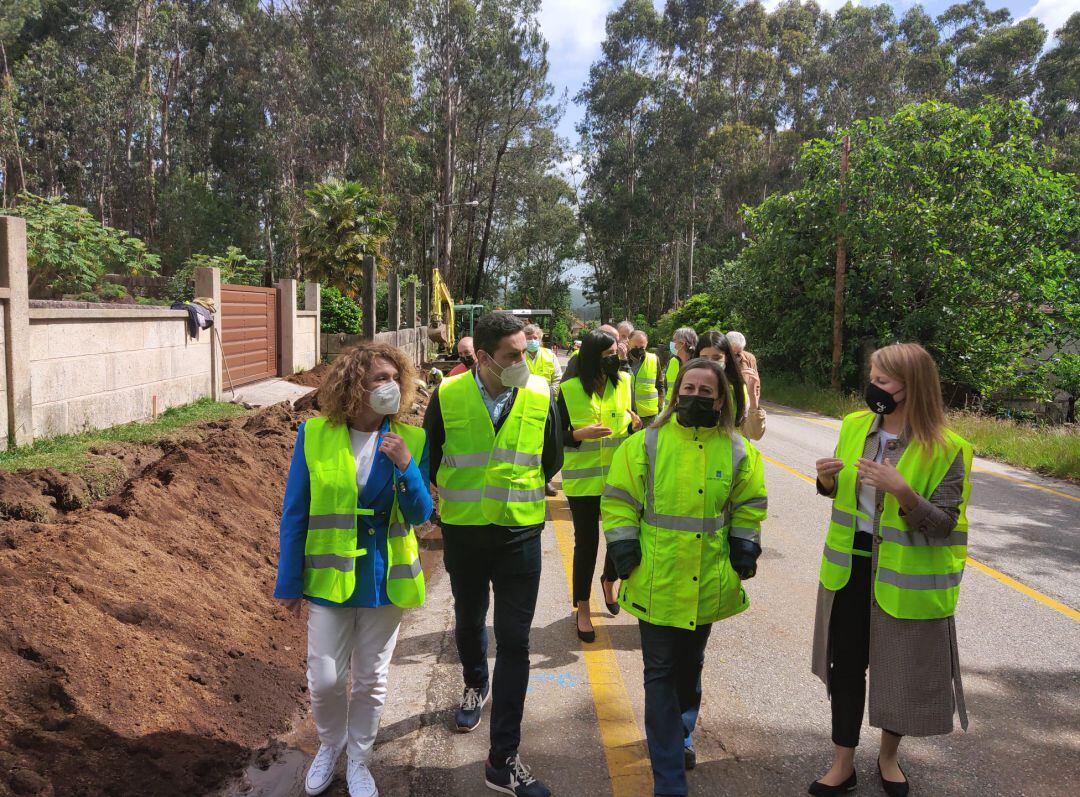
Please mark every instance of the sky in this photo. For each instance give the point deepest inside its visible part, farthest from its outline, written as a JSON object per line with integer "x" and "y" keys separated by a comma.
{"x": 575, "y": 29}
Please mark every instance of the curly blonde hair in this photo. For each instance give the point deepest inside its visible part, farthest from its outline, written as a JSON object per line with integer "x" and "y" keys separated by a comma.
{"x": 342, "y": 393}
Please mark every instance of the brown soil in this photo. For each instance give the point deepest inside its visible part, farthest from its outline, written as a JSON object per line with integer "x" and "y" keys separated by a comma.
{"x": 141, "y": 652}
{"x": 312, "y": 378}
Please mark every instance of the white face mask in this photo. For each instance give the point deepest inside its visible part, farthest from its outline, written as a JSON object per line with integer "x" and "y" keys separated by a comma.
{"x": 386, "y": 398}
{"x": 516, "y": 375}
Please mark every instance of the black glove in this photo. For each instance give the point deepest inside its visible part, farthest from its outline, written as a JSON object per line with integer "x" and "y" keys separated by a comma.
{"x": 626, "y": 555}
{"x": 743, "y": 556}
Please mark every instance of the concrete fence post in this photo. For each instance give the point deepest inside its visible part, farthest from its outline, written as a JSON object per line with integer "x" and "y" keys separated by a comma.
{"x": 208, "y": 285}
{"x": 15, "y": 299}
{"x": 313, "y": 303}
{"x": 368, "y": 299}
{"x": 425, "y": 304}
{"x": 393, "y": 302}
{"x": 410, "y": 304}
{"x": 287, "y": 327}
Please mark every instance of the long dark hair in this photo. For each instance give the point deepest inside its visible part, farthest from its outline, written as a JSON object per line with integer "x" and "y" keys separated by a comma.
{"x": 726, "y": 422}
{"x": 591, "y": 360}
{"x": 718, "y": 340}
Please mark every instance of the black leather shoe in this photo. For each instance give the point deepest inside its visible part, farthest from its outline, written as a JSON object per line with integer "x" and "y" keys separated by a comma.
{"x": 613, "y": 608}
{"x": 893, "y": 788}
{"x": 820, "y": 789}
{"x": 584, "y": 636}
{"x": 689, "y": 758}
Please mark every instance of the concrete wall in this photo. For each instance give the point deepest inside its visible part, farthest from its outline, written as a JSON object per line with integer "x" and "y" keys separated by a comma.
{"x": 306, "y": 340}
{"x": 3, "y": 381}
{"x": 414, "y": 341}
{"x": 96, "y": 368}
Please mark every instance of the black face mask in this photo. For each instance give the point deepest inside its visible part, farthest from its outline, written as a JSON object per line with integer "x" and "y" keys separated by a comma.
{"x": 637, "y": 354}
{"x": 468, "y": 360}
{"x": 697, "y": 411}
{"x": 611, "y": 364}
{"x": 880, "y": 400}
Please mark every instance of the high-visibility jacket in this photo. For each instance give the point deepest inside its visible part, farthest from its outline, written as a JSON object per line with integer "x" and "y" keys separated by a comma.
{"x": 585, "y": 467}
{"x": 331, "y": 550}
{"x": 573, "y": 353}
{"x": 673, "y": 367}
{"x": 486, "y": 477}
{"x": 646, "y": 397}
{"x": 918, "y": 576}
{"x": 544, "y": 364}
{"x": 682, "y": 492}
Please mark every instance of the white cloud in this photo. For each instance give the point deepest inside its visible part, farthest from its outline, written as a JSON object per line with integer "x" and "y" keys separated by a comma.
{"x": 1052, "y": 13}
{"x": 827, "y": 5}
{"x": 574, "y": 29}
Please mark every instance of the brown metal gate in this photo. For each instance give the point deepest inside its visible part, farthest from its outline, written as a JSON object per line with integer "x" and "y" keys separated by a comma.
{"x": 249, "y": 333}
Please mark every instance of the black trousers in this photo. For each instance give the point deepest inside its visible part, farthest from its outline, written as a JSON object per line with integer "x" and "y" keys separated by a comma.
{"x": 585, "y": 509}
{"x": 512, "y": 571}
{"x": 849, "y": 641}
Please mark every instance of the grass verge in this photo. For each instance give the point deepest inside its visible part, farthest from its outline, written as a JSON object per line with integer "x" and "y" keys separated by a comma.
{"x": 68, "y": 453}
{"x": 1053, "y": 450}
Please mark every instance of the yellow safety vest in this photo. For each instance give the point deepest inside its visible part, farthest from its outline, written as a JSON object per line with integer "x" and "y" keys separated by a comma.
{"x": 331, "y": 548}
{"x": 486, "y": 477}
{"x": 673, "y": 367}
{"x": 543, "y": 365}
{"x": 585, "y": 467}
{"x": 682, "y": 493}
{"x": 646, "y": 397}
{"x": 918, "y": 577}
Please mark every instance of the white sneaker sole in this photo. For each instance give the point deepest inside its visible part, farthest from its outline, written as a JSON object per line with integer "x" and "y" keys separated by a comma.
{"x": 483, "y": 703}
{"x": 494, "y": 787}
{"x": 329, "y": 781}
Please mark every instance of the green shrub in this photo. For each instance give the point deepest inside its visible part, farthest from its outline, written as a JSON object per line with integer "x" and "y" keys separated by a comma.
{"x": 236, "y": 269}
{"x": 340, "y": 314}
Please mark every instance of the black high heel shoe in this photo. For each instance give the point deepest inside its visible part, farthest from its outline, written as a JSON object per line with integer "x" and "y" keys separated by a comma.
{"x": 584, "y": 636}
{"x": 894, "y": 788}
{"x": 613, "y": 608}
{"x": 819, "y": 789}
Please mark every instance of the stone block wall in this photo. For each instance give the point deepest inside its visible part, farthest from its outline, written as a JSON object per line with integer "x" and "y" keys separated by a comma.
{"x": 3, "y": 382}
{"x": 414, "y": 341}
{"x": 306, "y": 337}
{"x": 96, "y": 368}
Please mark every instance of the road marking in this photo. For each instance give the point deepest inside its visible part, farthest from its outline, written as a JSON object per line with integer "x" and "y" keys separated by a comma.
{"x": 1024, "y": 482}
{"x": 996, "y": 574}
{"x": 624, "y": 743}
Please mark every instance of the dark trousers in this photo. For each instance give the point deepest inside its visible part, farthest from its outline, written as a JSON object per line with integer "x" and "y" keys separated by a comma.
{"x": 512, "y": 570}
{"x": 673, "y": 660}
{"x": 585, "y": 510}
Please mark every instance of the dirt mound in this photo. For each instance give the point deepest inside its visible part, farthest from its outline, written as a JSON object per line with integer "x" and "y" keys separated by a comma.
{"x": 312, "y": 378}
{"x": 140, "y": 650}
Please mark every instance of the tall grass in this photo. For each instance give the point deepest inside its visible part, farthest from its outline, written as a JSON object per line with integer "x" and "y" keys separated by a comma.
{"x": 1053, "y": 450}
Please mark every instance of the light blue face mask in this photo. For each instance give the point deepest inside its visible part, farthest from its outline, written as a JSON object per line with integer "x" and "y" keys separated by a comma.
{"x": 671, "y": 347}
{"x": 532, "y": 345}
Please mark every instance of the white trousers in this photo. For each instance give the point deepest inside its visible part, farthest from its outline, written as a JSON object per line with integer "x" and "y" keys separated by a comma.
{"x": 337, "y": 638}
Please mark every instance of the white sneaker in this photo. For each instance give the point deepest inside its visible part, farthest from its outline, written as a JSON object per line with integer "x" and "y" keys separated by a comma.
{"x": 361, "y": 784}
{"x": 321, "y": 772}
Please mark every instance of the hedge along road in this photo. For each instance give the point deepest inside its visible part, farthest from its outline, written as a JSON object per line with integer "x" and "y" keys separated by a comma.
{"x": 764, "y": 726}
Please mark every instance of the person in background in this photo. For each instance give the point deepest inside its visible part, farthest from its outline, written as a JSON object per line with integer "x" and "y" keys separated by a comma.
{"x": 495, "y": 438}
{"x": 682, "y": 512}
{"x": 595, "y": 408}
{"x": 357, "y": 486}
{"x": 542, "y": 362}
{"x": 624, "y": 363}
{"x": 890, "y": 573}
{"x": 576, "y": 349}
{"x": 466, "y": 354}
{"x": 682, "y": 345}
{"x": 648, "y": 381}
{"x": 749, "y": 367}
{"x": 750, "y": 416}
{"x": 625, "y": 329}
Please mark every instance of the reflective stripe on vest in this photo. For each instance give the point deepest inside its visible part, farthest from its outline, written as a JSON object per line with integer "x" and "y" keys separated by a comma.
{"x": 646, "y": 397}
{"x": 585, "y": 467}
{"x": 918, "y": 576}
{"x": 486, "y": 477}
{"x": 673, "y": 367}
{"x": 544, "y": 364}
{"x": 331, "y": 546}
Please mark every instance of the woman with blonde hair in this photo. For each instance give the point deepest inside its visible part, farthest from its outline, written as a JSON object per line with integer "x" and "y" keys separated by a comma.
{"x": 890, "y": 573}
{"x": 357, "y": 485}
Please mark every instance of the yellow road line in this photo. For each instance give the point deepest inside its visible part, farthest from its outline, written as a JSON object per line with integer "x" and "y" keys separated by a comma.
{"x": 624, "y": 743}
{"x": 996, "y": 574}
{"x": 1026, "y": 483}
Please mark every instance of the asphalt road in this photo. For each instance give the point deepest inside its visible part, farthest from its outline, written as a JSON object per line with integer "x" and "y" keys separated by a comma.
{"x": 764, "y": 727}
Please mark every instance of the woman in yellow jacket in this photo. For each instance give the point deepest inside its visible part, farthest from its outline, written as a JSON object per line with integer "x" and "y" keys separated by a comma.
{"x": 890, "y": 572}
{"x": 682, "y": 513}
